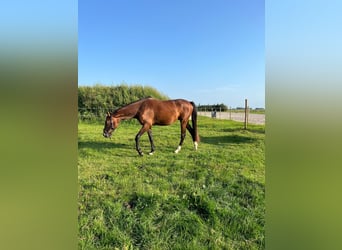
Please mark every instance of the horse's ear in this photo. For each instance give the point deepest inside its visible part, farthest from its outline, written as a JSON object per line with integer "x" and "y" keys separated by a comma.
{"x": 108, "y": 114}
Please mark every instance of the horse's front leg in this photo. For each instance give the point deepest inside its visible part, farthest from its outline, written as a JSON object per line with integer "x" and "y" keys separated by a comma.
{"x": 144, "y": 128}
{"x": 149, "y": 132}
{"x": 183, "y": 133}
{"x": 137, "y": 146}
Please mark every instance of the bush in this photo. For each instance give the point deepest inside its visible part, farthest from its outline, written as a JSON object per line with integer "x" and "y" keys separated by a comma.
{"x": 94, "y": 102}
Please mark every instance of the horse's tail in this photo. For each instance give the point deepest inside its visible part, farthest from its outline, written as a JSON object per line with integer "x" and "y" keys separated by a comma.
{"x": 194, "y": 122}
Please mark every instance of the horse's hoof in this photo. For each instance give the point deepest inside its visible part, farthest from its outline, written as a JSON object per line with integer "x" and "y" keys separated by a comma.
{"x": 151, "y": 153}
{"x": 178, "y": 149}
{"x": 141, "y": 153}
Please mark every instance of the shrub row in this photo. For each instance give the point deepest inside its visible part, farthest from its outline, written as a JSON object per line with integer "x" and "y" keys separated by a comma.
{"x": 95, "y": 101}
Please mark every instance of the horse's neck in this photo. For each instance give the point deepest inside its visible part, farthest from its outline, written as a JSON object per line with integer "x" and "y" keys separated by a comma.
{"x": 127, "y": 112}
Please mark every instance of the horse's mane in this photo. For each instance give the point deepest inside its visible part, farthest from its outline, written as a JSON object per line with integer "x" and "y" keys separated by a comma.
{"x": 142, "y": 99}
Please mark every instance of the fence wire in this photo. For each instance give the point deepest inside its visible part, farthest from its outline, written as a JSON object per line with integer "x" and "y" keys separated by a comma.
{"x": 99, "y": 114}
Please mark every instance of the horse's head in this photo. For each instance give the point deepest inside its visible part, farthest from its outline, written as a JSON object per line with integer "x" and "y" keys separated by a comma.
{"x": 111, "y": 124}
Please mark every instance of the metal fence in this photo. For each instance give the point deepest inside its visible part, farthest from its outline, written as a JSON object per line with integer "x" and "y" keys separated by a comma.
{"x": 99, "y": 114}
{"x": 235, "y": 116}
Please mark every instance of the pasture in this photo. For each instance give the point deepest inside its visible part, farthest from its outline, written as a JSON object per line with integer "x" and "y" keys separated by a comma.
{"x": 213, "y": 198}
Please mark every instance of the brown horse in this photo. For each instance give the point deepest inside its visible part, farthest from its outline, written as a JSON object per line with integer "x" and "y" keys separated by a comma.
{"x": 149, "y": 112}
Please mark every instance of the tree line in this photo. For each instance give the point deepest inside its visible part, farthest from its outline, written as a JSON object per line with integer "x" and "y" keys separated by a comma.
{"x": 95, "y": 101}
{"x": 216, "y": 107}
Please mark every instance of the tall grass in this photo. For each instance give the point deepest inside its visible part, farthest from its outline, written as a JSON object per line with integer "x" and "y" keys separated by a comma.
{"x": 209, "y": 199}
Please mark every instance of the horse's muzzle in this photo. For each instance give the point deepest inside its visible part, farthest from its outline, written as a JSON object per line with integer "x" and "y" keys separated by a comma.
{"x": 107, "y": 135}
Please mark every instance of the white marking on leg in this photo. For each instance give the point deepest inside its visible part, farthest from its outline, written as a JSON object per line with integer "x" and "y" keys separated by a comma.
{"x": 178, "y": 149}
{"x": 151, "y": 153}
{"x": 196, "y": 145}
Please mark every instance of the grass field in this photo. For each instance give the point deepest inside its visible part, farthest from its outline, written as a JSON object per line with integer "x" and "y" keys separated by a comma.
{"x": 213, "y": 198}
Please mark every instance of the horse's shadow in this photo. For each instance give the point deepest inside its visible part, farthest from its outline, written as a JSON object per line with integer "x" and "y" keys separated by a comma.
{"x": 252, "y": 130}
{"x": 101, "y": 145}
{"x": 114, "y": 148}
{"x": 227, "y": 139}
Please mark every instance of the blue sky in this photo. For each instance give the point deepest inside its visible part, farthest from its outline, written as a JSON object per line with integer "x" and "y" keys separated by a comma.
{"x": 208, "y": 51}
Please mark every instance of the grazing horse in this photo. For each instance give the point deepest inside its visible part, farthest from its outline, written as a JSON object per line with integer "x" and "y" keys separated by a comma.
{"x": 149, "y": 112}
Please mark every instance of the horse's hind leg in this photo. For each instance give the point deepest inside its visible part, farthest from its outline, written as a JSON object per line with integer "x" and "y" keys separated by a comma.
{"x": 149, "y": 132}
{"x": 192, "y": 132}
{"x": 183, "y": 133}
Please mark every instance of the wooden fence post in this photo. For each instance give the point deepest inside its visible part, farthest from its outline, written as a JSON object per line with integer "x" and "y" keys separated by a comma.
{"x": 246, "y": 114}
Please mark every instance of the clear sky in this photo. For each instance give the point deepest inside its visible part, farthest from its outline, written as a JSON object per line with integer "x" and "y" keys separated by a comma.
{"x": 207, "y": 51}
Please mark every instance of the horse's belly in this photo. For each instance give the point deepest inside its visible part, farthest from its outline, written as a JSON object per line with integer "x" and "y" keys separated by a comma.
{"x": 164, "y": 122}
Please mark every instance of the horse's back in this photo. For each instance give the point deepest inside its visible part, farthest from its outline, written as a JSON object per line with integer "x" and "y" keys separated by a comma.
{"x": 165, "y": 112}
{"x": 176, "y": 105}
{"x": 185, "y": 108}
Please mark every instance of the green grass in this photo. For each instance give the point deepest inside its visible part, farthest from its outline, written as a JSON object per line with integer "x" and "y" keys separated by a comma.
{"x": 213, "y": 198}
